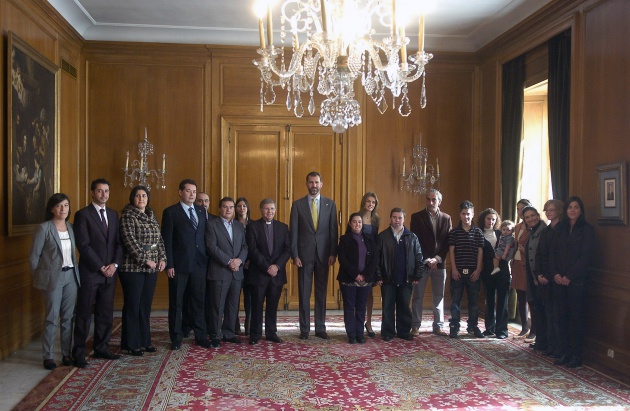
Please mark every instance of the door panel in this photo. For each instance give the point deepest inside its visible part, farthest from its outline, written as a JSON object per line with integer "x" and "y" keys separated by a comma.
{"x": 315, "y": 149}
{"x": 273, "y": 160}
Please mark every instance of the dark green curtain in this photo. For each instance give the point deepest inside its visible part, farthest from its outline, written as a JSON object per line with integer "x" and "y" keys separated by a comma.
{"x": 559, "y": 94}
{"x": 511, "y": 131}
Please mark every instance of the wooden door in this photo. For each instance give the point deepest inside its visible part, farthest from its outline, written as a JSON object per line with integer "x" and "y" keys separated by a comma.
{"x": 272, "y": 160}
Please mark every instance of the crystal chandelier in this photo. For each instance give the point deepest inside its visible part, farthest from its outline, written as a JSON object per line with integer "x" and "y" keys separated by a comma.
{"x": 139, "y": 170}
{"x": 423, "y": 176}
{"x": 339, "y": 47}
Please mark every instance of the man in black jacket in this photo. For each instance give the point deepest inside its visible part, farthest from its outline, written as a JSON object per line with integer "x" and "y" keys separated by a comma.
{"x": 269, "y": 249}
{"x": 400, "y": 268}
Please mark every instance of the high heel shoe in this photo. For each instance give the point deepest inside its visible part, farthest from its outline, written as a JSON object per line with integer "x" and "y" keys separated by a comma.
{"x": 370, "y": 331}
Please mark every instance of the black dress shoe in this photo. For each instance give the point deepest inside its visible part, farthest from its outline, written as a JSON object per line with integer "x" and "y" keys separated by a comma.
{"x": 232, "y": 340}
{"x": 502, "y": 336}
{"x": 370, "y": 331}
{"x": 253, "y": 341}
{"x": 489, "y": 333}
{"x": 387, "y": 338}
{"x": 216, "y": 343}
{"x": 477, "y": 333}
{"x": 67, "y": 360}
{"x": 106, "y": 355}
{"x": 322, "y": 334}
{"x": 176, "y": 346}
{"x": 574, "y": 363}
{"x": 50, "y": 364}
{"x": 274, "y": 338}
{"x": 352, "y": 340}
{"x": 361, "y": 340}
{"x": 406, "y": 337}
{"x": 453, "y": 332}
{"x": 150, "y": 348}
{"x": 80, "y": 362}
{"x": 204, "y": 343}
{"x": 136, "y": 353}
{"x": 562, "y": 360}
{"x": 303, "y": 336}
{"x": 538, "y": 347}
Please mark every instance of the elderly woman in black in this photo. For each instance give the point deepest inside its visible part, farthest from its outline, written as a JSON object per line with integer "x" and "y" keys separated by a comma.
{"x": 535, "y": 266}
{"x": 496, "y": 286}
{"x": 545, "y": 302}
{"x": 573, "y": 252}
{"x": 358, "y": 258}
{"x": 145, "y": 256}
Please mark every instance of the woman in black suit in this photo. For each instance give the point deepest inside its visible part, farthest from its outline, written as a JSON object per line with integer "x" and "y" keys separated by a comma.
{"x": 496, "y": 286}
{"x": 358, "y": 258}
{"x": 145, "y": 256}
{"x": 573, "y": 253}
{"x": 53, "y": 262}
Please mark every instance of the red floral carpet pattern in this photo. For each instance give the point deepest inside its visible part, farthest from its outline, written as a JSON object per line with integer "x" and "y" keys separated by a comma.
{"x": 430, "y": 372}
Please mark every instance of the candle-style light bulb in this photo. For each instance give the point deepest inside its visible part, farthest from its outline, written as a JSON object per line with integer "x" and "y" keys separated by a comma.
{"x": 163, "y": 162}
{"x": 127, "y": 162}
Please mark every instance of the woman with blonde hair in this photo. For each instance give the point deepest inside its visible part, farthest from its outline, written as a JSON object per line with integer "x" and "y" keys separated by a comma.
{"x": 371, "y": 222}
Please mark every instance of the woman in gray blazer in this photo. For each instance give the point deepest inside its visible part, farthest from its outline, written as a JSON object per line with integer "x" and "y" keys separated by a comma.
{"x": 54, "y": 265}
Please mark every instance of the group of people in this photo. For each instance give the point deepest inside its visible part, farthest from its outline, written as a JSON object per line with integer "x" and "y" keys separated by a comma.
{"x": 209, "y": 259}
{"x": 547, "y": 265}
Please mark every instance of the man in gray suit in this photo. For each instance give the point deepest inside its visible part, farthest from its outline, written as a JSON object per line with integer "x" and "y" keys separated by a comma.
{"x": 314, "y": 236}
{"x": 227, "y": 247}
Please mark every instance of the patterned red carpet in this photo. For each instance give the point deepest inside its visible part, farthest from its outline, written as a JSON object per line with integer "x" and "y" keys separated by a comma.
{"x": 431, "y": 372}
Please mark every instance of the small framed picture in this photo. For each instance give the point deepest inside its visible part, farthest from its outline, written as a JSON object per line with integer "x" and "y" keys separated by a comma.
{"x": 612, "y": 194}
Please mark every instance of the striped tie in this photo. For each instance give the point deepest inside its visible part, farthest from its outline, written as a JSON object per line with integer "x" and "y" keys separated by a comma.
{"x": 192, "y": 217}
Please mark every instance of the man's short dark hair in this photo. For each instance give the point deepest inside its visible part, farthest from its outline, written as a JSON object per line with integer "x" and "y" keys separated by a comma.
{"x": 97, "y": 182}
{"x": 313, "y": 174}
{"x": 182, "y": 184}
{"x": 466, "y": 205}
{"x": 224, "y": 200}
{"x": 397, "y": 210}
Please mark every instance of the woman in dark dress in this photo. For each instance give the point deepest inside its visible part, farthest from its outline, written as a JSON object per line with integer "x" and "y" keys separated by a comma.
{"x": 573, "y": 252}
{"x": 358, "y": 257}
{"x": 371, "y": 223}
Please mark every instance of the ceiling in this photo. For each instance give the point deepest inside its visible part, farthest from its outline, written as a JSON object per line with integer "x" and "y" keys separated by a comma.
{"x": 453, "y": 25}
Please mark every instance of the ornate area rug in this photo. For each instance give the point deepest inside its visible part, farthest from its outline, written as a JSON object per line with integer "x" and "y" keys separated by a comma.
{"x": 430, "y": 372}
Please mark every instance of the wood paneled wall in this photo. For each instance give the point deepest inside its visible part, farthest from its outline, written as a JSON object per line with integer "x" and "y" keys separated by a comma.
{"x": 181, "y": 93}
{"x": 39, "y": 26}
{"x": 599, "y": 130}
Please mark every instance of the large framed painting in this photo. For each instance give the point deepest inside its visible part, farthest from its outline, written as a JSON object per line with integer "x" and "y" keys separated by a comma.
{"x": 33, "y": 169}
{"x": 611, "y": 186}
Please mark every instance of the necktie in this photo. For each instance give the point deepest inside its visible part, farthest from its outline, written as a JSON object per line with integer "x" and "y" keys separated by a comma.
{"x": 314, "y": 213}
{"x": 191, "y": 211}
{"x": 103, "y": 220}
{"x": 269, "y": 235}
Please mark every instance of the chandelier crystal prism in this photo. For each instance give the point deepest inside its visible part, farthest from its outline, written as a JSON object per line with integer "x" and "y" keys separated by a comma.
{"x": 339, "y": 46}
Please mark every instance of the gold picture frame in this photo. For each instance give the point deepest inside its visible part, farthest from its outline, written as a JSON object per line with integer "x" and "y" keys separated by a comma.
{"x": 611, "y": 186}
{"x": 33, "y": 130}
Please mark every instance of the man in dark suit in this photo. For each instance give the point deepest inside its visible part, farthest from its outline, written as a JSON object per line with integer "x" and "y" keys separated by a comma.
{"x": 101, "y": 251}
{"x": 269, "y": 249}
{"x": 183, "y": 230}
{"x": 432, "y": 227}
{"x": 314, "y": 237}
{"x": 225, "y": 241}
